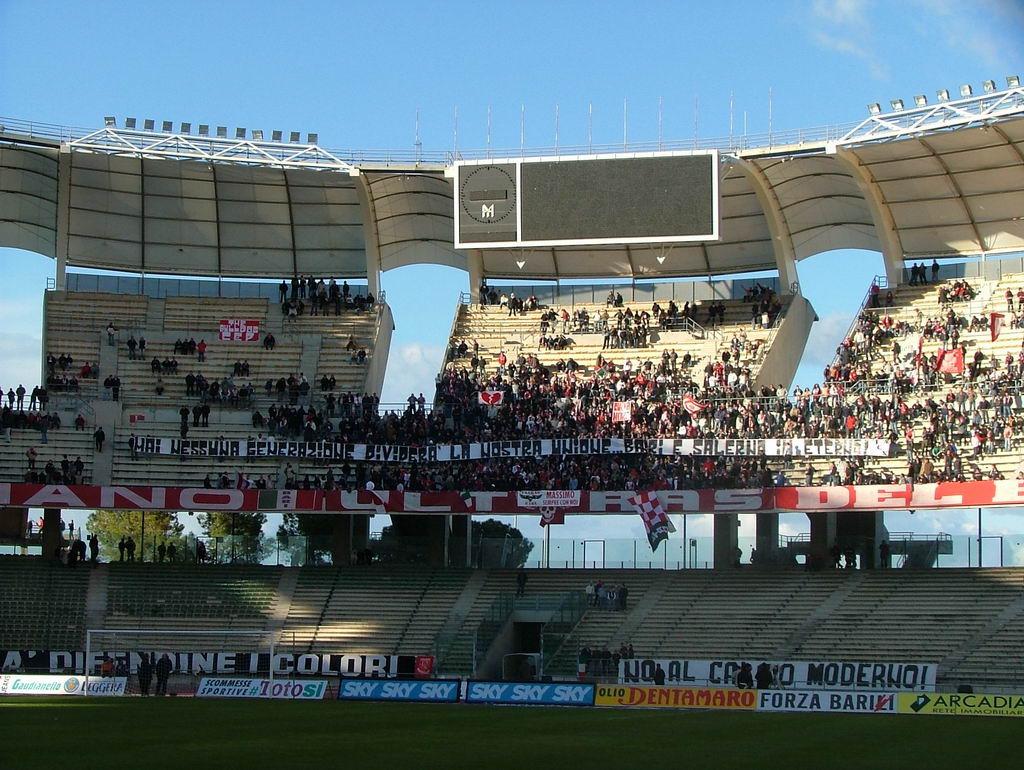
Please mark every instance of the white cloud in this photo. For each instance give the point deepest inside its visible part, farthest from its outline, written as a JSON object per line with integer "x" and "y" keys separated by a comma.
{"x": 987, "y": 29}
{"x": 412, "y": 368}
{"x": 844, "y": 26}
{"x": 847, "y": 12}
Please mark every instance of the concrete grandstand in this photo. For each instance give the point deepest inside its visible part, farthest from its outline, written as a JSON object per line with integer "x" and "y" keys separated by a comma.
{"x": 923, "y": 398}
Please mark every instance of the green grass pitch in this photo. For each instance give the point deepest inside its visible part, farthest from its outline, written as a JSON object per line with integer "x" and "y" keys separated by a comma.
{"x": 189, "y": 734}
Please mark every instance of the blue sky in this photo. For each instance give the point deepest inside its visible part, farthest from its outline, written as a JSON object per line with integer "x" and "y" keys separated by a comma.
{"x": 357, "y": 73}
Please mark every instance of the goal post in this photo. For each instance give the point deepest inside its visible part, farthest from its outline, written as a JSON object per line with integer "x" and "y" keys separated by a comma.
{"x": 191, "y": 655}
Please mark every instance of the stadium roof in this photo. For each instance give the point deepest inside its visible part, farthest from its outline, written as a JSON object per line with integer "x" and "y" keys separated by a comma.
{"x": 941, "y": 180}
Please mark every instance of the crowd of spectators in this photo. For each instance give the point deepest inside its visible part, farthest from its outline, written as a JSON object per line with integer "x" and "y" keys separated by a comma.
{"x": 604, "y": 662}
{"x": 63, "y": 376}
{"x": 315, "y": 297}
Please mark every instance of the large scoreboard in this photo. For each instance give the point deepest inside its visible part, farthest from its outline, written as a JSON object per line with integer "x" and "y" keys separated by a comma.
{"x": 586, "y": 200}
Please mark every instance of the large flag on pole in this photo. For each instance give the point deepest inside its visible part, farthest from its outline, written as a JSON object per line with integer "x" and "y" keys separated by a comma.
{"x": 995, "y": 324}
{"x": 656, "y": 521}
{"x": 550, "y": 516}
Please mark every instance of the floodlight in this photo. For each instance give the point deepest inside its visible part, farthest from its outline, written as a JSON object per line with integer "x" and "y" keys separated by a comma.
{"x": 897, "y": 104}
{"x": 942, "y": 94}
{"x": 129, "y": 122}
{"x": 276, "y": 136}
{"x": 874, "y": 108}
{"x": 966, "y": 90}
{"x": 222, "y": 132}
{"x": 186, "y": 128}
{"x": 257, "y": 134}
{"x": 294, "y": 136}
{"x": 312, "y": 138}
{"x": 149, "y": 125}
{"x": 109, "y": 121}
{"x": 1013, "y": 81}
{"x": 168, "y": 126}
{"x": 988, "y": 86}
{"x": 204, "y": 129}
{"x": 239, "y": 133}
{"x": 921, "y": 100}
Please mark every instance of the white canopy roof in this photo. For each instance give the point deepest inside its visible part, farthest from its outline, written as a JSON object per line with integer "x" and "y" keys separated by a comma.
{"x": 943, "y": 190}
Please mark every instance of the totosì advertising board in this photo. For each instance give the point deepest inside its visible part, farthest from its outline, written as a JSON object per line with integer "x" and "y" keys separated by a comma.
{"x": 280, "y": 689}
{"x": 434, "y": 691}
{"x": 800, "y": 674}
{"x": 530, "y": 693}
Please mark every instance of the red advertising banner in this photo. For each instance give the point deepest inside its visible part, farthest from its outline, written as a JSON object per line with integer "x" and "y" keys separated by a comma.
{"x": 239, "y": 330}
{"x": 968, "y": 494}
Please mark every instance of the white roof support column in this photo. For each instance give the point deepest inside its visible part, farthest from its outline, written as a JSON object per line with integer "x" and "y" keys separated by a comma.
{"x": 476, "y": 273}
{"x": 371, "y": 236}
{"x": 778, "y": 227}
{"x": 63, "y": 215}
{"x": 881, "y": 214}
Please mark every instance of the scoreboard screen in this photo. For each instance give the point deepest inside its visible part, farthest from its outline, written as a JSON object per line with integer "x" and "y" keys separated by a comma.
{"x": 652, "y": 198}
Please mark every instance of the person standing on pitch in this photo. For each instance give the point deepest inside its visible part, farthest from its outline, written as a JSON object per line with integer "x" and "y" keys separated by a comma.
{"x": 145, "y": 673}
{"x": 163, "y": 673}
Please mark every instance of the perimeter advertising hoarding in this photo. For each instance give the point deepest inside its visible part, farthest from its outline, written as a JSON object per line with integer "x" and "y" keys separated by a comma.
{"x": 649, "y": 696}
{"x": 962, "y": 704}
{"x": 312, "y": 689}
{"x": 435, "y": 691}
{"x": 530, "y": 693}
{"x": 45, "y": 684}
{"x": 827, "y": 700}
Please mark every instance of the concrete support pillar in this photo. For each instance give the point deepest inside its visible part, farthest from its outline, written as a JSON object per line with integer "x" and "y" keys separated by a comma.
{"x": 767, "y": 537}
{"x": 63, "y": 216}
{"x": 53, "y": 532}
{"x": 726, "y": 540}
{"x": 881, "y": 214}
{"x": 371, "y": 237}
{"x": 351, "y": 534}
{"x": 437, "y": 540}
{"x": 864, "y": 531}
{"x": 823, "y": 537}
{"x": 460, "y": 544}
{"x": 476, "y": 273}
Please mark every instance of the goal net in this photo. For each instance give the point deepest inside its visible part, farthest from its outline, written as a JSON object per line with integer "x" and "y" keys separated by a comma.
{"x": 176, "y": 662}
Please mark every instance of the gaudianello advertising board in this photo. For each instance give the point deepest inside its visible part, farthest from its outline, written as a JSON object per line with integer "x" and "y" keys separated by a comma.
{"x": 45, "y": 684}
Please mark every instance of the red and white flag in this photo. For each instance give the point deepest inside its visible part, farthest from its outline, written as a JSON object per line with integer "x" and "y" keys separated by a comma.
{"x": 622, "y": 411}
{"x": 656, "y": 521}
{"x": 239, "y": 329}
{"x": 995, "y": 324}
{"x": 692, "y": 405}
{"x": 950, "y": 361}
{"x": 491, "y": 397}
{"x": 552, "y": 516}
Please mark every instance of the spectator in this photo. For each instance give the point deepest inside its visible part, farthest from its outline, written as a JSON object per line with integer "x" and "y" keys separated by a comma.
{"x": 99, "y": 437}
{"x": 164, "y": 667}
